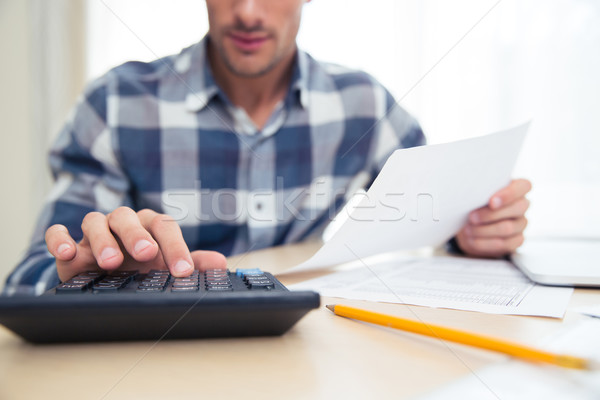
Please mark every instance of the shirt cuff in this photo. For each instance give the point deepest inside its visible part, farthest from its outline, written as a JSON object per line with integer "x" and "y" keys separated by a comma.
{"x": 453, "y": 247}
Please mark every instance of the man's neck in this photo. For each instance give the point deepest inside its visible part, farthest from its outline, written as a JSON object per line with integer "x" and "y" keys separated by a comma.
{"x": 258, "y": 96}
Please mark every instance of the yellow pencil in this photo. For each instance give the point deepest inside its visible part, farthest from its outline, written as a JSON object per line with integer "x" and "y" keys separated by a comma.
{"x": 455, "y": 335}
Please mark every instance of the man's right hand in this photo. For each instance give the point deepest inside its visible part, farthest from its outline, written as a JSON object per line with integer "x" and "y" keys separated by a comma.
{"x": 125, "y": 239}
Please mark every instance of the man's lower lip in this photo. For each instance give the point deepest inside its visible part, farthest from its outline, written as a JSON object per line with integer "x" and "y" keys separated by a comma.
{"x": 247, "y": 45}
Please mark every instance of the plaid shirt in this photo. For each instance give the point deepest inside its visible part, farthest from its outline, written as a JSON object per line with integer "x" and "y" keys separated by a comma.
{"x": 164, "y": 136}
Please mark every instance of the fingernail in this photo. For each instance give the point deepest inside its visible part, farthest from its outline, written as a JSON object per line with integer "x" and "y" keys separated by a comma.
{"x": 108, "y": 253}
{"x": 141, "y": 246}
{"x": 496, "y": 202}
{"x": 63, "y": 248}
{"x": 182, "y": 266}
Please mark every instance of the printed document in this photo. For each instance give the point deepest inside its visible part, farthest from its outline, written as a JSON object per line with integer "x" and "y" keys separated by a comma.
{"x": 422, "y": 197}
{"x": 491, "y": 286}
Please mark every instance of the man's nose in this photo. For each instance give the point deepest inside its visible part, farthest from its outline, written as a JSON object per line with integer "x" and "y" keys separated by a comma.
{"x": 249, "y": 12}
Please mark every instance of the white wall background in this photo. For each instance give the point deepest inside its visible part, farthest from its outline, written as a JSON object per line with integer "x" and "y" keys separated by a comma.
{"x": 524, "y": 59}
{"x": 16, "y": 140}
{"x": 41, "y": 74}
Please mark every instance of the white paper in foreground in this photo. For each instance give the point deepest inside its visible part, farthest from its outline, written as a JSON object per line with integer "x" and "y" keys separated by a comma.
{"x": 520, "y": 380}
{"x": 422, "y": 197}
{"x": 490, "y": 286}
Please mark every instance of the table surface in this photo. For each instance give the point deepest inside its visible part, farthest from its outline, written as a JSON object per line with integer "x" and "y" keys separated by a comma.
{"x": 321, "y": 357}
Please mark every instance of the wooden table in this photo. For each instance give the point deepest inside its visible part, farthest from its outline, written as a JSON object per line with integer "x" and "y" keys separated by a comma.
{"x": 322, "y": 357}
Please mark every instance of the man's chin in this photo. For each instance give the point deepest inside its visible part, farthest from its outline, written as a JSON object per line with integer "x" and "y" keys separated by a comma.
{"x": 245, "y": 70}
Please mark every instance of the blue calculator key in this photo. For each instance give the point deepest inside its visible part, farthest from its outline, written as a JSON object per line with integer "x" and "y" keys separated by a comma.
{"x": 248, "y": 271}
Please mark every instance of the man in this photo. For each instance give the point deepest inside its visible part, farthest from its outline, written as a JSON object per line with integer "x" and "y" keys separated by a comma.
{"x": 240, "y": 142}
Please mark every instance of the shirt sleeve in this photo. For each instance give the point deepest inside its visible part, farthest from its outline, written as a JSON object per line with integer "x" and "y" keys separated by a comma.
{"x": 87, "y": 177}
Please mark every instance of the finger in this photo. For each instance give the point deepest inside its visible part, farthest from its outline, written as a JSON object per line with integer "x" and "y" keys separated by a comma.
{"x": 167, "y": 233}
{"x": 204, "y": 260}
{"x": 486, "y": 215}
{"x": 60, "y": 244}
{"x": 515, "y": 190}
{"x": 491, "y": 247}
{"x": 501, "y": 229}
{"x": 138, "y": 242}
{"x": 82, "y": 259}
{"x": 105, "y": 247}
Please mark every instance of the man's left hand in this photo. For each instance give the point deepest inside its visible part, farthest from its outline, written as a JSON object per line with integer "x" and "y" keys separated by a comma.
{"x": 497, "y": 229}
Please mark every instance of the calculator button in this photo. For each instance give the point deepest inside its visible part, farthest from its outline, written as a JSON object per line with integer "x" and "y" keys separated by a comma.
{"x": 216, "y": 276}
{"x": 106, "y": 289}
{"x": 217, "y": 281}
{"x": 157, "y": 276}
{"x": 185, "y": 289}
{"x": 150, "y": 285}
{"x": 149, "y": 289}
{"x": 81, "y": 282}
{"x": 265, "y": 285}
{"x": 254, "y": 276}
{"x": 242, "y": 272}
{"x": 124, "y": 279}
{"x": 225, "y": 285}
{"x": 163, "y": 281}
{"x": 108, "y": 285}
{"x": 259, "y": 283}
{"x": 261, "y": 279}
{"x": 184, "y": 284}
{"x": 71, "y": 288}
{"x": 184, "y": 280}
{"x": 159, "y": 272}
{"x": 94, "y": 276}
{"x": 215, "y": 273}
{"x": 112, "y": 280}
{"x": 219, "y": 288}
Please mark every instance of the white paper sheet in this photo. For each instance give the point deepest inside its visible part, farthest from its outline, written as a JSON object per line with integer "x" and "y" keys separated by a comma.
{"x": 422, "y": 197}
{"x": 491, "y": 286}
{"x": 520, "y": 380}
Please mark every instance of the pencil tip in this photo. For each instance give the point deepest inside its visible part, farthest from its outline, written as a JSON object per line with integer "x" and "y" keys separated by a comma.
{"x": 331, "y": 306}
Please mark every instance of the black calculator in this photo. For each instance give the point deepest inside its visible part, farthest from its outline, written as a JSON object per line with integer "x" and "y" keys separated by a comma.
{"x": 126, "y": 305}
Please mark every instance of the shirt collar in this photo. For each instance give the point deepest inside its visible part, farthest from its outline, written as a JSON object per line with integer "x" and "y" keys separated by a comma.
{"x": 300, "y": 78}
{"x": 202, "y": 86}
